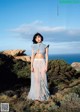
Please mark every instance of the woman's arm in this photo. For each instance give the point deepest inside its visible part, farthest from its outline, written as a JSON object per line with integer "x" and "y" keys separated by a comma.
{"x": 32, "y": 59}
{"x": 46, "y": 58}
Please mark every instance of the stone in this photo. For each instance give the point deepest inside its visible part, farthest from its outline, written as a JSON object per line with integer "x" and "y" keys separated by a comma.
{"x": 13, "y": 52}
{"x": 76, "y": 65}
{"x": 24, "y": 58}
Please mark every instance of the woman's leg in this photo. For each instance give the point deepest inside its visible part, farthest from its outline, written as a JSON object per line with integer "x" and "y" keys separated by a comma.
{"x": 44, "y": 86}
{"x": 36, "y": 79}
{"x": 39, "y": 89}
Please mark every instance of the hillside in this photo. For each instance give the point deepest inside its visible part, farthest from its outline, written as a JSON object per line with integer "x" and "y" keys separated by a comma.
{"x": 63, "y": 82}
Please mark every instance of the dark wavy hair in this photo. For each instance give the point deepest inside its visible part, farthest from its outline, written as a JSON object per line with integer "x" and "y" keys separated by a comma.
{"x": 34, "y": 37}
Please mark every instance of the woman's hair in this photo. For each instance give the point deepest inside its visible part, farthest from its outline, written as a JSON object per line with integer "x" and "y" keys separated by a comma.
{"x": 34, "y": 37}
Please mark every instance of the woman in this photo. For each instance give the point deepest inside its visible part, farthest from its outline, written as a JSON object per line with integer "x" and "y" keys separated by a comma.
{"x": 39, "y": 66}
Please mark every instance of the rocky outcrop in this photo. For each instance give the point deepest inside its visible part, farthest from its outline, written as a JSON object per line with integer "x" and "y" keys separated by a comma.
{"x": 17, "y": 54}
{"x": 24, "y": 58}
{"x": 76, "y": 65}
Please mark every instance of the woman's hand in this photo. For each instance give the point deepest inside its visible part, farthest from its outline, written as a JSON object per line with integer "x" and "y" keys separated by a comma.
{"x": 32, "y": 69}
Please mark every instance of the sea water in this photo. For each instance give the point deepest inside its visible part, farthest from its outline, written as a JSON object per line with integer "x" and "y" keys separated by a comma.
{"x": 69, "y": 58}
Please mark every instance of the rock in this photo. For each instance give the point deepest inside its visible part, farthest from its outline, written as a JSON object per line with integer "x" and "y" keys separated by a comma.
{"x": 17, "y": 54}
{"x": 13, "y": 52}
{"x": 76, "y": 65}
{"x": 24, "y": 58}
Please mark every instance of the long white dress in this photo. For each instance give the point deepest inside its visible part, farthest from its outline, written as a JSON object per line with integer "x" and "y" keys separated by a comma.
{"x": 39, "y": 86}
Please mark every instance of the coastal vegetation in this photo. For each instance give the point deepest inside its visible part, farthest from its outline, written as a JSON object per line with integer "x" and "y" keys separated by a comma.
{"x": 63, "y": 83}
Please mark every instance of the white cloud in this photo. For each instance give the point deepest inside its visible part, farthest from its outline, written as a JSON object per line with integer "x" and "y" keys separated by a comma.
{"x": 36, "y": 26}
{"x": 64, "y": 47}
{"x": 59, "y": 33}
{"x": 61, "y": 40}
{"x": 74, "y": 32}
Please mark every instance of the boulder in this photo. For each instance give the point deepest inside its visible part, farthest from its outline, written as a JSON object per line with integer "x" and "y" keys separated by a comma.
{"x": 76, "y": 65}
{"x": 17, "y": 52}
{"x": 24, "y": 58}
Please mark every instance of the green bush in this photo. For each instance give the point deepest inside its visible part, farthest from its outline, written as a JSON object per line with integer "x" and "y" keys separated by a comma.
{"x": 21, "y": 68}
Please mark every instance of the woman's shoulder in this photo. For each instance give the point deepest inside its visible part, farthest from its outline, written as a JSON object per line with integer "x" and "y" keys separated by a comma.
{"x": 45, "y": 45}
{"x": 42, "y": 44}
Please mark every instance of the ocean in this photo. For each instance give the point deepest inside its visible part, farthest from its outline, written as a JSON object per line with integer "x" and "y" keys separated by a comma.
{"x": 69, "y": 58}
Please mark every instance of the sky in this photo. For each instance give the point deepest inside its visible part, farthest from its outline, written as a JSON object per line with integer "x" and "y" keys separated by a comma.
{"x": 58, "y": 21}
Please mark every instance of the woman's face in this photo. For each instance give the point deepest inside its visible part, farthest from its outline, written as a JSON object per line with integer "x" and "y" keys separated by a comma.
{"x": 38, "y": 39}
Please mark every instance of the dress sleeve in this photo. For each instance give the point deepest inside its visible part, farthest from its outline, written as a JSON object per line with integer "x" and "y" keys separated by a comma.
{"x": 47, "y": 46}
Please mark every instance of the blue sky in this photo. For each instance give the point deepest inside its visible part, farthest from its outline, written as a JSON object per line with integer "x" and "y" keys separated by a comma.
{"x": 57, "y": 22}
